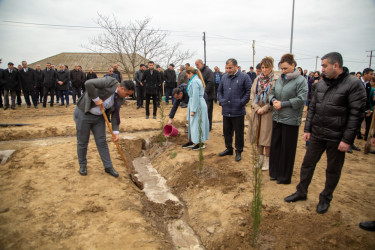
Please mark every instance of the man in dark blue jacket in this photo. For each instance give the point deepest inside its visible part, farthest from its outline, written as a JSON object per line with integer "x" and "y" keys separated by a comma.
{"x": 49, "y": 84}
{"x": 9, "y": 79}
{"x": 233, "y": 94}
{"x": 27, "y": 80}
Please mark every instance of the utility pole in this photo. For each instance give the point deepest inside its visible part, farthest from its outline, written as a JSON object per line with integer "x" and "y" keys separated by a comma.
{"x": 204, "y": 44}
{"x": 253, "y": 52}
{"x": 316, "y": 63}
{"x": 291, "y": 34}
{"x": 370, "y": 56}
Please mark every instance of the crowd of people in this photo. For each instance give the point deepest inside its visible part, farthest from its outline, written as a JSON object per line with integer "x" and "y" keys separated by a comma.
{"x": 338, "y": 102}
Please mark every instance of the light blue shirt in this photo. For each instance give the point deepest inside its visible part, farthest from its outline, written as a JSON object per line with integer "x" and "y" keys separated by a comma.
{"x": 107, "y": 103}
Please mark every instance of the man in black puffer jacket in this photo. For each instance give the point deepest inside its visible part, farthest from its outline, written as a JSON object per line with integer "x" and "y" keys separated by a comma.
{"x": 334, "y": 116}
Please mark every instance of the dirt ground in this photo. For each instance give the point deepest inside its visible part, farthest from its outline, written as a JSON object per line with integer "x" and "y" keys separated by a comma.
{"x": 46, "y": 204}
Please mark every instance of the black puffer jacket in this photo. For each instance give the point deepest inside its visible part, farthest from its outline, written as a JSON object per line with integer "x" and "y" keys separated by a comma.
{"x": 336, "y": 109}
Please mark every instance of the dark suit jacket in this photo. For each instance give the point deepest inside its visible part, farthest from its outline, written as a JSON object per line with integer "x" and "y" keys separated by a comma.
{"x": 38, "y": 78}
{"x": 27, "y": 79}
{"x": 10, "y": 80}
{"x": 102, "y": 88}
{"x": 49, "y": 78}
{"x": 151, "y": 82}
{"x": 64, "y": 77}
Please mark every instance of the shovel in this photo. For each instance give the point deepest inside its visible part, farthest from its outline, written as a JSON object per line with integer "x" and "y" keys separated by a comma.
{"x": 369, "y": 136}
{"x": 132, "y": 177}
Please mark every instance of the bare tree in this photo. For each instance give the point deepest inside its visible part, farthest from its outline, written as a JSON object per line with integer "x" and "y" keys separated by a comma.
{"x": 134, "y": 43}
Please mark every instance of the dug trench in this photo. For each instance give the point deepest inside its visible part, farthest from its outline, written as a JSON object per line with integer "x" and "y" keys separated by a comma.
{"x": 46, "y": 204}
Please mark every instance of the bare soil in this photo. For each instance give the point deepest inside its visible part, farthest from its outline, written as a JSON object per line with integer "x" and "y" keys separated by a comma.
{"x": 46, "y": 204}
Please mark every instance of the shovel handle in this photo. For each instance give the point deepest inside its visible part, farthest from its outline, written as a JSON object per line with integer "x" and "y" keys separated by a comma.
{"x": 116, "y": 142}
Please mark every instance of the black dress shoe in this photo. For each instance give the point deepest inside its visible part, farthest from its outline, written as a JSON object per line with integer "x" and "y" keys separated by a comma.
{"x": 83, "y": 170}
{"x": 322, "y": 207}
{"x": 111, "y": 171}
{"x": 226, "y": 152}
{"x": 273, "y": 179}
{"x": 354, "y": 147}
{"x": 138, "y": 107}
{"x": 295, "y": 197}
{"x": 238, "y": 155}
{"x": 368, "y": 225}
{"x": 283, "y": 182}
{"x": 372, "y": 152}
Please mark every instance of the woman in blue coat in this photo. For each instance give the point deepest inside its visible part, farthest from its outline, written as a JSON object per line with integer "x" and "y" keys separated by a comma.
{"x": 197, "y": 115}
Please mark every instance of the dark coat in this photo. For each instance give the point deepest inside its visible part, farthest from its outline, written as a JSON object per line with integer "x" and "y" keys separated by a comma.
{"x": 336, "y": 109}
{"x": 77, "y": 78}
{"x": 209, "y": 80}
{"x": 151, "y": 82}
{"x": 368, "y": 90}
{"x": 252, "y": 75}
{"x": 27, "y": 79}
{"x": 118, "y": 73}
{"x": 10, "y": 80}
{"x": 234, "y": 93}
{"x": 170, "y": 78}
{"x": 38, "y": 78}
{"x": 1, "y": 77}
{"x": 64, "y": 77}
{"x": 49, "y": 78}
{"x": 184, "y": 99}
{"x": 138, "y": 77}
{"x": 91, "y": 76}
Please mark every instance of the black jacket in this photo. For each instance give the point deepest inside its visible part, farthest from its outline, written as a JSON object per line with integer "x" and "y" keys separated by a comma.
{"x": 368, "y": 90}
{"x": 118, "y": 73}
{"x": 27, "y": 79}
{"x": 170, "y": 78}
{"x": 151, "y": 82}
{"x": 91, "y": 76}
{"x": 49, "y": 78}
{"x": 38, "y": 78}
{"x": 336, "y": 109}
{"x": 64, "y": 77}
{"x": 77, "y": 78}
{"x": 10, "y": 80}
{"x": 138, "y": 77}
{"x": 209, "y": 80}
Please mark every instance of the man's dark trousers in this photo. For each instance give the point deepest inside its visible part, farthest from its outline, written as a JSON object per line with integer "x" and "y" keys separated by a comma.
{"x": 236, "y": 125}
{"x": 34, "y": 97}
{"x": 154, "y": 102}
{"x": 168, "y": 92}
{"x": 95, "y": 123}
{"x": 335, "y": 162}
{"x": 140, "y": 95}
{"x": 45, "y": 94}
{"x": 76, "y": 91}
{"x": 210, "y": 109}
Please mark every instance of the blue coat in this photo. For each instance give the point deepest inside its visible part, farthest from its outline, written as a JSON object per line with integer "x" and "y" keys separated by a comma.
{"x": 198, "y": 105}
{"x": 233, "y": 94}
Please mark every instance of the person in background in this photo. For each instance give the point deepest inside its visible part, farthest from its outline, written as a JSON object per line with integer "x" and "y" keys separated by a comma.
{"x": 39, "y": 83}
{"x": 170, "y": 82}
{"x": 258, "y": 69}
{"x": 91, "y": 75}
{"x": 352, "y": 73}
{"x": 62, "y": 85}
{"x": 138, "y": 87}
{"x": 233, "y": 94}
{"x": 84, "y": 78}
{"x": 331, "y": 126}
{"x": 151, "y": 79}
{"x": 367, "y": 75}
{"x": 76, "y": 77}
{"x": 288, "y": 98}
{"x": 252, "y": 74}
{"x": 182, "y": 78}
{"x": 209, "y": 81}
{"x": 197, "y": 110}
{"x": 160, "y": 86}
{"x": 27, "y": 81}
{"x": 117, "y": 72}
{"x": 111, "y": 74}
{"x": 10, "y": 84}
{"x": 218, "y": 75}
{"x": 18, "y": 90}
{"x": 358, "y": 75}
{"x": 49, "y": 84}
{"x": 262, "y": 109}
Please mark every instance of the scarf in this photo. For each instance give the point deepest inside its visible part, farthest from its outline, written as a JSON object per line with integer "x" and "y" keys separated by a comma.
{"x": 262, "y": 88}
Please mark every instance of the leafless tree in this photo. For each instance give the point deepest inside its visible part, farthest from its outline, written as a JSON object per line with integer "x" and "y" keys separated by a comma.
{"x": 134, "y": 43}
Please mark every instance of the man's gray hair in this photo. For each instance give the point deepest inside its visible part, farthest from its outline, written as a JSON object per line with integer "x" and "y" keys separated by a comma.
{"x": 334, "y": 57}
{"x": 232, "y": 61}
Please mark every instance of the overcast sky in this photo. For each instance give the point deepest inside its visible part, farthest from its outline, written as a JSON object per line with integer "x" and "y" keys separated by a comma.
{"x": 320, "y": 26}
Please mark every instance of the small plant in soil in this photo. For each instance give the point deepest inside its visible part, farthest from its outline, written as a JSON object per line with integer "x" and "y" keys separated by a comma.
{"x": 173, "y": 155}
{"x": 161, "y": 136}
{"x": 256, "y": 204}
